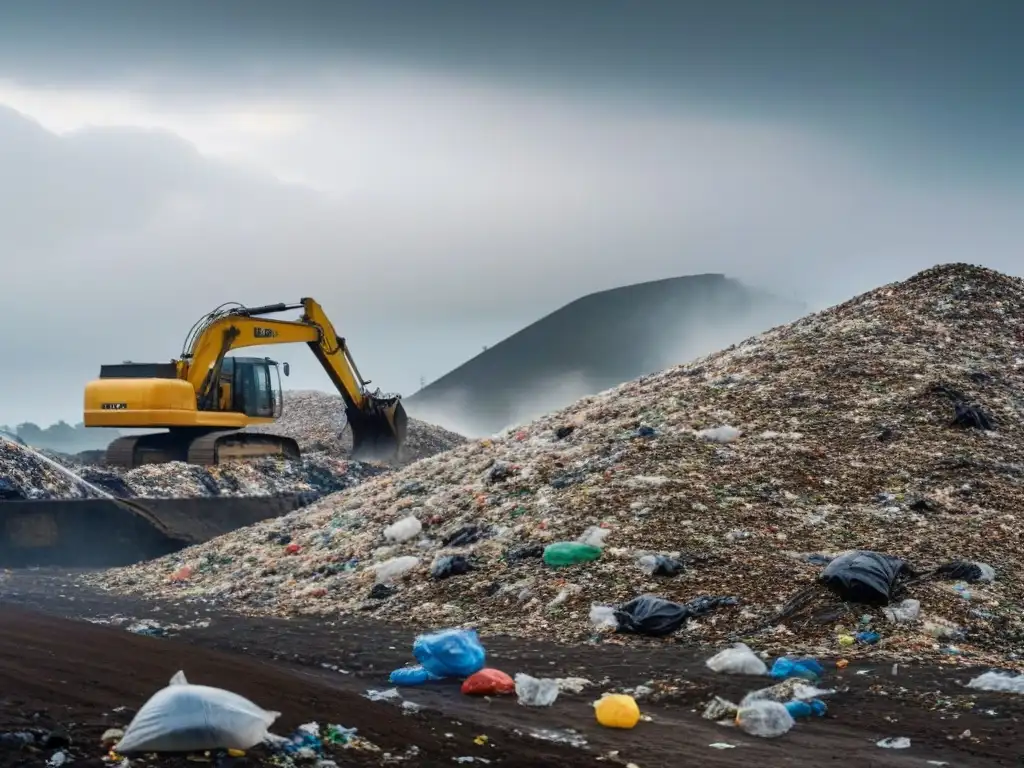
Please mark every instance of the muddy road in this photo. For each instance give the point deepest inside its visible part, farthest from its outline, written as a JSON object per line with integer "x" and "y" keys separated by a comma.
{"x": 69, "y": 663}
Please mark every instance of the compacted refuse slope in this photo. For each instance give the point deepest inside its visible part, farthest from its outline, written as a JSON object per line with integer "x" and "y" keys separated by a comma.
{"x": 891, "y": 422}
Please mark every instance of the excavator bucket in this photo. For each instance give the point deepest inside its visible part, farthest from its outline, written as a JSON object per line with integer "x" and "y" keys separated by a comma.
{"x": 103, "y": 533}
{"x": 378, "y": 430}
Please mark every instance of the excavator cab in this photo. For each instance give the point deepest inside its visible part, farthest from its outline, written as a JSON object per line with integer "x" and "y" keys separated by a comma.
{"x": 250, "y": 385}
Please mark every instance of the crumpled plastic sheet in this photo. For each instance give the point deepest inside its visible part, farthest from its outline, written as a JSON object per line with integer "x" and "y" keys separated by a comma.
{"x": 840, "y": 441}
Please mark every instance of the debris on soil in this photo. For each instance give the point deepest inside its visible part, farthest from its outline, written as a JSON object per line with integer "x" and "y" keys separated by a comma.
{"x": 838, "y": 440}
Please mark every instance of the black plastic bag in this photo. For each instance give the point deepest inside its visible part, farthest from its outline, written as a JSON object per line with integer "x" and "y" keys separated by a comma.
{"x": 469, "y": 534}
{"x": 972, "y": 417}
{"x": 963, "y": 570}
{"x": 527, "y": 552}
{"x": 863, "y": 576}
{"x": 451, "y": 565}
{"x": 667, "y": 566}
{"x": 656, "y": 616}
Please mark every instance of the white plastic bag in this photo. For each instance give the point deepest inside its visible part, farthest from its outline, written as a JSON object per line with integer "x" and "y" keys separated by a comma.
{"x": 403, "y": 530}
{"x": 602, "y": 617}
{"x": 766, "y": 719}
{"x": 391, "y": 569}
{"x": 998, "y": 681}
{"x": 907, "y": 611}
{"x": 536, "y": 692}
{"x": 191, "y": 718}
{"x": 594, "y": 536}
{"x": 737, "y": 660}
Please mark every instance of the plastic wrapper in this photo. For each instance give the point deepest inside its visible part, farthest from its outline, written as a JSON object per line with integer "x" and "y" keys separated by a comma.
{"x": 767, "y": 719}
{"x": 737, "y": 660}
{"x": 536, "y": 692}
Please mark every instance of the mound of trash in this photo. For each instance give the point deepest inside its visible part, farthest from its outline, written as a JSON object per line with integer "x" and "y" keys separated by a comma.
{"x": 317, "y": 420}
{"x": 29, "y": 474}
{"x": 704, "y": 502}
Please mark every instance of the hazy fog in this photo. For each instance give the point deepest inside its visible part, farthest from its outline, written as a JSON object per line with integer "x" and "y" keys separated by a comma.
{"x": 439, "y": 178}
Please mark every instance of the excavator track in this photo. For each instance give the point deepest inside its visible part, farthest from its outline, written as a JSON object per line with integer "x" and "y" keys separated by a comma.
{"x": 205, "y": 448}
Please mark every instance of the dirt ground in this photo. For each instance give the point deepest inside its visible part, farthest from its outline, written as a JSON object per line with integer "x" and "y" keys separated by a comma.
{"x": 69, "y": 678}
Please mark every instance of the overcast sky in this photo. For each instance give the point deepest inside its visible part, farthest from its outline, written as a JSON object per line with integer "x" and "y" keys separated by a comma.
{"x": 440, "y": 173}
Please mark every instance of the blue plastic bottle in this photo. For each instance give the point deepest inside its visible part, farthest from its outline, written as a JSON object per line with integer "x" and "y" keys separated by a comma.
{"x": 813, "y": 708}
{"x": 411, "y": 676}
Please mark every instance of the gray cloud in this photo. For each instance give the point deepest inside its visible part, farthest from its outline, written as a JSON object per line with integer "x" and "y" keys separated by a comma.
{"x": 933, "y": 82}
{"x": 468, "y": 170}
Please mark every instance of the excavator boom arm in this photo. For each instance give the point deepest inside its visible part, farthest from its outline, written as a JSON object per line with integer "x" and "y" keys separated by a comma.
{"x": 378, "y": 423}
{"x": 249, "y": 328}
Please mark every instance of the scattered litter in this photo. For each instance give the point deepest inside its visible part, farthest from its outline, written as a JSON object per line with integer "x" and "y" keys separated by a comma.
{"x": 394, "y": 568}
{"x": 566, "y": 553}
{"x": 656, "y": 616}
{"x": 907, "y": 611}
{"x": 488, "y": 682}
{"x": 191, "y": 718}
{"x": 960, "y": 570}
{"x": 415, "y": 675}
{"x": 659, "y": 565}
{"x": 1006, "y": 682}
{"x": 862, "y": 576}
{"x": 812, "y": 708}
{"x": 793, "y": 689}
{"x": 721, "y": 745}
{"x": 900, "y": 742}
{"x": 450, "y": 653}
{"x": 720, "y": 709}
{"x": 616, "y": 710}
{"x": 391, "y": 694}
{"x": 737, "y": 660}
{"x": 807, "y": 668}
{"x": 535, "y": 692}
{"x": 766, "y": 719}
{"x": 403, "y": 530}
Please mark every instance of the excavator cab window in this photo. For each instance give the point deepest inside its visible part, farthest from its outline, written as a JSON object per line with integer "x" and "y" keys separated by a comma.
{"x": 253, "y": 389}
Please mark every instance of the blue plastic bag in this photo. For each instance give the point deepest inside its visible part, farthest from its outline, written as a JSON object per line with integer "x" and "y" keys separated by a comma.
{"x": 411, "y": 676}
{"x": 785, "y": 668}
{"x": 812, "y": 708}
{"x": 450, "y": 653}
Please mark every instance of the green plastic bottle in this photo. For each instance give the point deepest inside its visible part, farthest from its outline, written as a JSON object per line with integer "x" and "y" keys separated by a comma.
{"x": 563, "y": 553}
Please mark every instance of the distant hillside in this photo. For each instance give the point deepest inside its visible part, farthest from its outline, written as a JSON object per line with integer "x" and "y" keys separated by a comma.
{"x": 62, "y": 437}
{"x": 597, "y": 342}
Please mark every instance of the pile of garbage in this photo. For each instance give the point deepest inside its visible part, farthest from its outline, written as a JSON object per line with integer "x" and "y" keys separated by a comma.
{"x": 317, "y": 474}
{"x": 29, "y": 474}
{"x": 721, "y": 490}
{"x": 316, "y": 420}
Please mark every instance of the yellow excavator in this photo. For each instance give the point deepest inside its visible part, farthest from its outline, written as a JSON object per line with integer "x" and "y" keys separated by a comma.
{"x": 206, "y": 398}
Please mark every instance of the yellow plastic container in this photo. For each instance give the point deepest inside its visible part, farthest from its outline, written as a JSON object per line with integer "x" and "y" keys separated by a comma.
{"x": 616, "y": 710}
